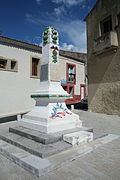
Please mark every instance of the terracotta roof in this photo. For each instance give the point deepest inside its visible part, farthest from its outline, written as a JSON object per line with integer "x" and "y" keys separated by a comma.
{"x": 74, "y": 55}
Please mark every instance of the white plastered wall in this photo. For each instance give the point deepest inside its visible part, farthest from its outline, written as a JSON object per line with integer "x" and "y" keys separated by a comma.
{"x": 16, "y": 87}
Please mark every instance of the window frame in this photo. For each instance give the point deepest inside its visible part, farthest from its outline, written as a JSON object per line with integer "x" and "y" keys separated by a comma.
{"x": 102, "y": 25}
{"x": 8, "y": 64}
{"x": 38, "y": 67}
{"x": 67, "y": 66}
{"x": 16, "y": 66}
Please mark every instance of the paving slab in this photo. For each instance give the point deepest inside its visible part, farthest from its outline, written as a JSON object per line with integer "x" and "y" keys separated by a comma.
{"x": 39, "y": 166}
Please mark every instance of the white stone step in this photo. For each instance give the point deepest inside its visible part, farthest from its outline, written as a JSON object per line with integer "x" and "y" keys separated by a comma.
{"x": 39, "y": 166}
{"x": 42, "y": 137}
{"x": 33, "y": 147}
{"x": 78, "y": 138}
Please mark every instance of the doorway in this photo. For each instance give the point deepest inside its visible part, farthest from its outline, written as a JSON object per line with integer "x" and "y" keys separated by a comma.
{"x": 82, "y": 91}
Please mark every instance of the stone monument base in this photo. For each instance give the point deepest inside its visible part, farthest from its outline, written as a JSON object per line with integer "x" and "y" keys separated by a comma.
{"x": 50, "y": 113}
{"x": 41, "y": 120}
{"x": 40, "y": 153}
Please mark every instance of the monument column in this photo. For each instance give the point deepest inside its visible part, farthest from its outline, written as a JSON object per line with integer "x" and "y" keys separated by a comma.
{"x": 50, "y": 113}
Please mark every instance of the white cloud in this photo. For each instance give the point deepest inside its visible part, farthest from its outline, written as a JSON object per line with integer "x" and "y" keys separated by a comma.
{"x": 72, "y": 32}
{"x": 75, "y": 31}
{"x": 68, "y": 2}
{"x": 71, "y": 47}
{"x": 38, "y": 1}
{"x": 59, "y": 10}
{"x": 68, "y": 47}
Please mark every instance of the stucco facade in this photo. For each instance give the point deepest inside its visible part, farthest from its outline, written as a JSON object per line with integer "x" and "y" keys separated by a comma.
{"x": 103, "y": 37}
{"x": 61, "y": 72}
{"x": 17, "y": 85}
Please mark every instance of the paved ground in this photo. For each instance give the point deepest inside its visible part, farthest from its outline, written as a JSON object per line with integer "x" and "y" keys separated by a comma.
{"x": 101, "y": 164}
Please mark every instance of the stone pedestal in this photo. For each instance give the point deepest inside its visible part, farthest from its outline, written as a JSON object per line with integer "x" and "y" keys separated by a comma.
{"x": 50, "y": 114}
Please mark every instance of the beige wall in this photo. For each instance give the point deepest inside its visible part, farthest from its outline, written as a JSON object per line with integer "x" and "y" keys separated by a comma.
{"x": 103, "y": 68}
{"x": 59, "y": 72}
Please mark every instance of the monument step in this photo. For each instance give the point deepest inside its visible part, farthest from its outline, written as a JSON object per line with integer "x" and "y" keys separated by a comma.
{"x": 35, "y": 148}
{"x": 35, "y": 135}
{"x": 39, "y": 166}
{"x": 45, "y": 138}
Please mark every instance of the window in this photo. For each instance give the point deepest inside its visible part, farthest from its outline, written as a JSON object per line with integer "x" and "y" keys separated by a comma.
{"x": 106, "y": 25}
{"x": 8, "y": 64}
{"x": 71, "y": 90}
{"x": 82, "y": 91}
{"x": 118, "y": 18}
{"x": 14, "y": 65}
{"x": 35, "y": 67}
{"x": 71, "y": 73}
{"x": 3, "y": 63}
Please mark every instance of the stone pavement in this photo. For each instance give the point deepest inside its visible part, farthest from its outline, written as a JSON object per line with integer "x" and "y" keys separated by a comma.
{"x": 101, "y": 164}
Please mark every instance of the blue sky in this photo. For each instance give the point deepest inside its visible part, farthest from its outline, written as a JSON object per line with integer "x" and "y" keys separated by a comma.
{"x": 25, "y": 20}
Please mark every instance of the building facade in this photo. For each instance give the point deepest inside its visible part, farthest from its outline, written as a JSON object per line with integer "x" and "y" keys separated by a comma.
{"x": 20, "y": 75}
{"x": 103, "y": 37}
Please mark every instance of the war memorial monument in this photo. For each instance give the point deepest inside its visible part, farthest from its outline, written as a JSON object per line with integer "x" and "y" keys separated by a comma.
{"x": 43, "y": 137}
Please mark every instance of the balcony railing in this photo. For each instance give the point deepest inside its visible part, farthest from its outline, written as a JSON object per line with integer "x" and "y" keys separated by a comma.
{"x": 108, "y": 40}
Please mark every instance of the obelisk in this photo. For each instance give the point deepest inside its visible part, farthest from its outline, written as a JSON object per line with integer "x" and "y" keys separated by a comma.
{"x": 50, "y": 113}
